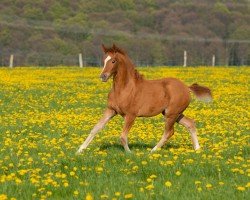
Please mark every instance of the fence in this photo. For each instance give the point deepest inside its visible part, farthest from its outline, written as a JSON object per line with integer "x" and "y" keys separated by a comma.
{"x": 73, "y": 60}
{"x": 180, "y": 58}
{"x": 35, "y": 43}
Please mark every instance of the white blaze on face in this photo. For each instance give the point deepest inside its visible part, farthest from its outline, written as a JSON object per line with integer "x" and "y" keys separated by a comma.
{"x": 105, "y": 61}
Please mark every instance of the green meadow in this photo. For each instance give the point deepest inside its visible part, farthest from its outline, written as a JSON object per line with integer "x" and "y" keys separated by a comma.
{"x": 46, "y": 113}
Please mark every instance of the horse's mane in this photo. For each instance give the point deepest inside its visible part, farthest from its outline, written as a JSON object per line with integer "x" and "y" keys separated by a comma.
{"x": 138, "y": 76}
{"x": 115, "y": 49}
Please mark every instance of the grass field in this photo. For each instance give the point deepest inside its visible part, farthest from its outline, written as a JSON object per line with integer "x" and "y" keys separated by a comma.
{"x": 46, "y": 113}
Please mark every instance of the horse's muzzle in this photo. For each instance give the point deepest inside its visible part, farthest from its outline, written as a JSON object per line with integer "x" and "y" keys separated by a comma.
{"x": 104, "y": 77}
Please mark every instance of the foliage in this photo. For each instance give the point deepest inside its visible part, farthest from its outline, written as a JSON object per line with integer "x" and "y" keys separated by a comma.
{"x": 175, "y": 25}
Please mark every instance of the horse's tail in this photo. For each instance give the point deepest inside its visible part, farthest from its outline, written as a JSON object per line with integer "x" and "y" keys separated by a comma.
{"x": 201, "y": 92}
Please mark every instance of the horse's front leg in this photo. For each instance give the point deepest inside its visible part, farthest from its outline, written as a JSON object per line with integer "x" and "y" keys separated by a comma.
{"x": 108, "y": 114}
{"x": 129, "y": 121}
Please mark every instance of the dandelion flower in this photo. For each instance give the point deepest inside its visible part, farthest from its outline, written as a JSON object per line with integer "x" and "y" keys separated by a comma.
{"x": 117, "y": 194}
{"x": 209, "y": 186}
{"x": 72, "y": 173}
{"x": 89, "y": 197}
{"x": 178, "y": 173}
{"x": 128, "y": 196}
{"x": 240, "y": 188}
{"x": 150, "y": 187}
{"x": 3, "y": 196}
{"x": 76, "y": 193}
{"x": 197, "y": 182}
{"x": 153, "y": 176}
{"x": 168, "y": 184}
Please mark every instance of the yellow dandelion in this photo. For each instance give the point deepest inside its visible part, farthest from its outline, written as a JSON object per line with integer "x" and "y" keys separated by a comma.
{"x": 3, "y": 196}
{"x": 117, "y": 194}
{"x": 149, "y": 180}
{"x": 49, "y": 193}
{"x": 104, "y": 196}
{"x": 169, "y": 162}
{"x": 128, "y": 196}
{"x": 72, "y": 173}
{"x": 66, "y": 184}
{"x": 209, "y": 186}
{"x": 156, "y": 155}
{"x": 168, "y": 184}
{"x": 197, "y": 182}
{"x": 153, "y": 176}
{"x": 178, "y": 173}
{"x": 241, "y": 188}
{"x": 144, "y": 162}
{"x": 99, "y": 169}
{"x": 89, "y": 197}
{"x": 149, "y": 187}
{"x": 63, "y": 175}
{"x": 18, "y": 181}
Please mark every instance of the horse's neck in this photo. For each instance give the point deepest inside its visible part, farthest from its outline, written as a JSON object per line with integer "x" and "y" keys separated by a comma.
{"x": 125, "y": 77}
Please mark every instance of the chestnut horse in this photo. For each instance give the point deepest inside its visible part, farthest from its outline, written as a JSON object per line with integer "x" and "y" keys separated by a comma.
{"x": 133, "y": 96}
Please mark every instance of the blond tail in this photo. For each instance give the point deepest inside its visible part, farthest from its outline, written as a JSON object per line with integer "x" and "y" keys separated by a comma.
{"x": 201, "y": 92}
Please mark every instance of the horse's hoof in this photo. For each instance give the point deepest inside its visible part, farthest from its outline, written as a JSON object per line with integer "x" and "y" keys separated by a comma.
{"x": 78, "y": 153}
{"x": 128, "y": 151}
{"x": 197, "y": 148}
{"x": 153, "y": 150}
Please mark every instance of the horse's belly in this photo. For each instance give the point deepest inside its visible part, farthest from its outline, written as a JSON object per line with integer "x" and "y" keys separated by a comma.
{"x": 148, "y": 114}
{"x": 151, "y": 110}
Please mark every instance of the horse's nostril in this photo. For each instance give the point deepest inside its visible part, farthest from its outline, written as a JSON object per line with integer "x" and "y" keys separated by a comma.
{"x": 102, "y": 76}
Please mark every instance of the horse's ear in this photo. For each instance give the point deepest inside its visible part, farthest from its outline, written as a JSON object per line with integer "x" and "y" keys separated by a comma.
{"x": 114, "y": 47}
{"x": 104, "y": 48}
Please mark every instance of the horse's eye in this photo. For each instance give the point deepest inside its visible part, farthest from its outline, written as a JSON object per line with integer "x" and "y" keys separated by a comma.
{"x": 113, "y": 61}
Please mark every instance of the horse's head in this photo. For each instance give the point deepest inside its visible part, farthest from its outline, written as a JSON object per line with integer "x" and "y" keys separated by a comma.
{"x": 110, "y": 61}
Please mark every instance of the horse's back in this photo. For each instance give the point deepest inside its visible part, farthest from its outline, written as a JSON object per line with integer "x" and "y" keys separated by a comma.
{"x": 173, "y": 85}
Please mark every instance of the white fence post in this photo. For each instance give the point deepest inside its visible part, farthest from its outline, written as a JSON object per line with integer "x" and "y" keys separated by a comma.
{"x": 11, "y": 60}
{"x": 80, "y": 60}
{"x": 213, "y": 61}
{"x": 185, "y": 59}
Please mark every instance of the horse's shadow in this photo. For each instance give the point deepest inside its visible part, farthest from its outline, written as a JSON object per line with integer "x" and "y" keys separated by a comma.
{"x": 141, "y": 146}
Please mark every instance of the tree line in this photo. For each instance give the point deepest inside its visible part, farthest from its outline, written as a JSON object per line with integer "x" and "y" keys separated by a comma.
{"x": 153, "y": 32}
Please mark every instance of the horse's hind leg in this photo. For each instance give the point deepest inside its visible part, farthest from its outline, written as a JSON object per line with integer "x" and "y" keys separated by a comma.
{"x": 190, "y": 125}
{"x": 168, "y": 132}
{"x": 108, "y": 114}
